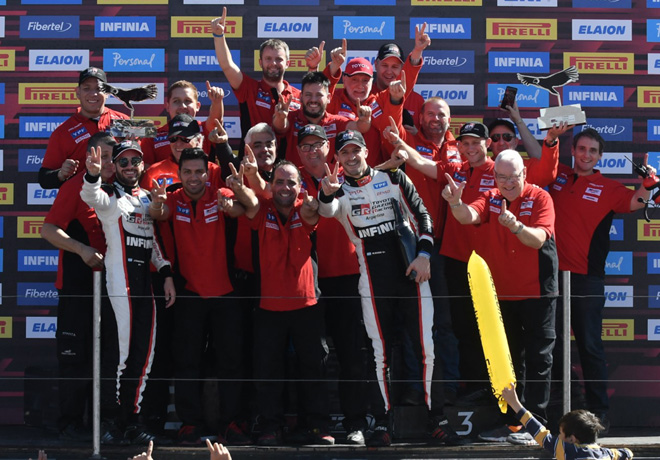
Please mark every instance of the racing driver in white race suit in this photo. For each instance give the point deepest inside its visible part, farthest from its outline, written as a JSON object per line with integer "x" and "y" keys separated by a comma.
{"x": 364, "y": 204}
{"x": 122, "y": 209}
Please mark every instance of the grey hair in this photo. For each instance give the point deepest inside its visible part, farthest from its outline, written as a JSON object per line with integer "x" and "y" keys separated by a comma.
{"x": 258, "y": 129}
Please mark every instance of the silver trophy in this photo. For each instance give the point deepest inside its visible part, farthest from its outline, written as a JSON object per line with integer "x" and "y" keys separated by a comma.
{"x": 135, "y": 128}
{"x": 551, "y": 116}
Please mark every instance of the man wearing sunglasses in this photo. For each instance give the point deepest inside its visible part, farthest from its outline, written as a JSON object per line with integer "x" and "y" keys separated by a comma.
{"x": 122, "y": 209}
{"x": 543, "y": 159}
{"x": 184, "y": 133}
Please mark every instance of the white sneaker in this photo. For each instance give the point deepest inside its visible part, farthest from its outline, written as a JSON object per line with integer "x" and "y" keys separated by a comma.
{"x": 521, "y": 438}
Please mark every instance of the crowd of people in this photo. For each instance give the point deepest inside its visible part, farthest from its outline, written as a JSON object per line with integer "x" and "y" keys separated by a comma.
{"x": 223, "y": 261}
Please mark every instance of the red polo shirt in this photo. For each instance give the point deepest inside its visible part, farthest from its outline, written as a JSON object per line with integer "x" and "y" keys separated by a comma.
{"x": 543, "y": 171}
{"x": 336, "y": 253}
{"x": 67, "y": 208}
{"x": 585, "y": 206}
{"x": 430, "y": 189}
{"x": 199, "y": 234}
{"x": 285, "y": 259}
{"x": 258, "y": 98}
{"x": 381, "y": 110}
{"x": 167, "y": 171}
{"x": 333, "y": 125}
{"x": 69, "y": 140}
{"x": 519, "y": 271}
{"x": 459, "y": 240}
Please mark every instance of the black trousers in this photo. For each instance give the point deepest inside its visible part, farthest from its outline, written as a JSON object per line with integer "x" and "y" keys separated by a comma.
{"x": 343, "y": 314}
{"x": 218, "y": 323}
{"x": 74, "y": 356}
{"x": 472, "y": 363}
{"x": 305, "y": 328}
{"x": 530, "y": 332}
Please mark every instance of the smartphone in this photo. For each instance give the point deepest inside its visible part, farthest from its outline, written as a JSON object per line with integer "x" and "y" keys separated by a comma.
{"x": 509, "y": 97}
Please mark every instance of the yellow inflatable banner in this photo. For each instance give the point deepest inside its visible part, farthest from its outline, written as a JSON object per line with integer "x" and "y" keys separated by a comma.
{"x": 491, "y": 327}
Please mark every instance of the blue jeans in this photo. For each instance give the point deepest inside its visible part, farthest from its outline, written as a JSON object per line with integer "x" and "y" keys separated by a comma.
{"x": 587, "y": 303}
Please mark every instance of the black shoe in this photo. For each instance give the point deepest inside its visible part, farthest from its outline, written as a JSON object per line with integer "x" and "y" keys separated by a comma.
{"x": 317, "y": 436}
{"x": 111, "y": 436}
{"x": 482, "y": 397}
{"x": 269, "y": 438}
{"x": 189, "y": 435}
{"x": 355, "y": 438}
{"x": 234, "y": 435}
{"x": 442, "y": 431}
{"x": 139, "y": 435}
{"x": 75, "y": 433}
{"x": 605, "y": 422}
{"x": 380, "y": 437}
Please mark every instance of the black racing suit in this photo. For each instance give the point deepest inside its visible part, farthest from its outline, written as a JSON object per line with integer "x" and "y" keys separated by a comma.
{"x": 364, "y": 208}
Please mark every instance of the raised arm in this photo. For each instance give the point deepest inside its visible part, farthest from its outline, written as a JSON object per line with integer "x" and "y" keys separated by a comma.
{"x": 229, "y": 68}
{"x": 243, "y": 194}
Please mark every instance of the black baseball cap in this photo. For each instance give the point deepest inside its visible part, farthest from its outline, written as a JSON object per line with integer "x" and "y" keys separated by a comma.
{"x": 92, "y": 72}
{"x": 390, "y": 50}
{"x": 183, "y": 125}
{"x": 502, "y": 122}
{"x": 311, "y": 130}
{"x": 349, "y": 137}
{"x": 473, "y": 129}
{"x": 125, "y": 146}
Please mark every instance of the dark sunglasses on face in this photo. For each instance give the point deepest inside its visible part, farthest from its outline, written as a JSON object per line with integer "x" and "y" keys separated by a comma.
{"x": 123, "y": 162}
{"x": 506, "y": 136}
{"x": 173, "y": 139}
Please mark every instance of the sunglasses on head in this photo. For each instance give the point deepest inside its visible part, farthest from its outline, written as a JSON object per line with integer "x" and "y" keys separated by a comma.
{"x": 173, "y": 139}
{"x": 506, "y": 136}
{"x": 123, "y": 162}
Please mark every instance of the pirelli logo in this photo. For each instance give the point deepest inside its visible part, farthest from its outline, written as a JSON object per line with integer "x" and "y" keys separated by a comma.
{"x": 296, "y": 59}
{"x": 456, "y": 123}
{"x": 648, "y": 231}
{"x": 618, "y": 329}
{"x": 7, "y": 60}
{"x": 446, "y": 2}
{"x": 6, "y": 194}
{"x": 200, "y": 26}
{"x": 521, "y": 29}
{"x": 47, "y": 93}
{"x": 158, "y": 121}
{"x": 648, "y": 96}
{"x": 29, "y": 226}
{"x": 5, "y": 327}
{"x": 603, "y": 63}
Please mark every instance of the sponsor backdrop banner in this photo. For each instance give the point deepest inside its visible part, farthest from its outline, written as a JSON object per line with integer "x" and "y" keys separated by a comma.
{"x": 478, "y": 47}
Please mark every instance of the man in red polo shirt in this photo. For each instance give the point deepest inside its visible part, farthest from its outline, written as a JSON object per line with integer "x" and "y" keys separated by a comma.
{"x": 389, "y": 64}
{"x": 518, "y": 223}
{"x": 338, "y": 279}
{"x": 289, "y": 304}
{"x": 195, "y": 215}
{"x": 585, "y": 203}
{"x": 315, "y": 98}
{"x": 256, "y": 98}
{"x": 67, "y": 146}
{"x": 357, "y": 79}
{"x": 182, "y": 98}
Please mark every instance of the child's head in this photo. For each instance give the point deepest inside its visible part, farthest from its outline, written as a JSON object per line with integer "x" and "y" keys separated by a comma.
{"x": 582, "y": 425}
